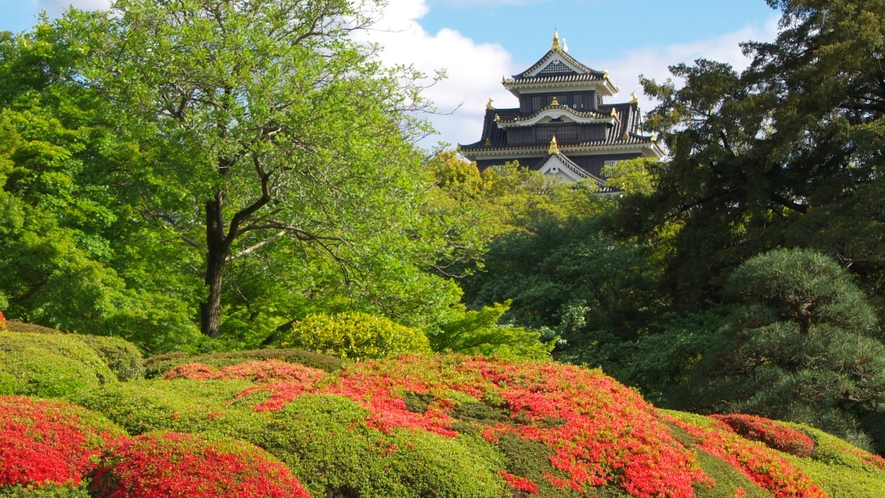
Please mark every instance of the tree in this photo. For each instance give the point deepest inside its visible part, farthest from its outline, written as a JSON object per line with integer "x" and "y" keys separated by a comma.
{"x": 769, "y": 157}
{"x": 69, "y": 209}
{"x": 800, "y": 346}
{"x": 567, "y": 277}
{"x": 277, "y": 129}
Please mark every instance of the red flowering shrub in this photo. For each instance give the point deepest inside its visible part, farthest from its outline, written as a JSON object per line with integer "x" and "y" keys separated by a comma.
{"x": 256, "y": 371}
{"x": 600, "y": 432}
{"x": 170, "y": 464}
{"x": 45, "y": 442}
{"x": 2, "y": 321}
{"x": 762, "y": 466}
{"x": 520, "y": 483}
{"x": 772, "y": 433}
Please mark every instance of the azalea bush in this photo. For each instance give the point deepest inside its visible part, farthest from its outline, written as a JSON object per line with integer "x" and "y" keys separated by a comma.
{"x": 2, "y": 321}
{"x": 45, "y": 443}
{"x": 157, "y": 366}
{"x": 172, "y": 464}
{"x": 767, "y": 469}
{"x": 50, "y": 365}
{"x": 359, "y": 336}
{"x": 773, "y": 434}
{"x": 456, "y": 426}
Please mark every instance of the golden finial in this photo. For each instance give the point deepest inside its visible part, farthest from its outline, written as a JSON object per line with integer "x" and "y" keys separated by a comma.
{"x": 635, "y": 99}
{"x": 488, "y": 143}
{"x": 605, "y": 75}
{"x": 654, "y": 138}
{"x": 614, "y": 112}
{"x": 555, "y": 102}
{"x": 489, "y": 105}
{"x": 554, "y": 148}
{"x": 497, "y": 118}
{"x": 555, "y": 46}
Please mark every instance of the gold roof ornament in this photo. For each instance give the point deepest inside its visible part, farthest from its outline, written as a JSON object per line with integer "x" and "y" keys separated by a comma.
{"x": 497, "y": 118}
{"x": 635, "y": 99}
{"x": 615, "y": 114}
{"x": 555, "y": 102}
{"x": 488, "y": 143}
{"x": 555, "y": 46}
{"x": 625, "y": 137}
{"x": 489, "y": 105}
{"x": 605, "y": 75}
{"x": 654, "y": 138}
{"x": 554, "y": 148}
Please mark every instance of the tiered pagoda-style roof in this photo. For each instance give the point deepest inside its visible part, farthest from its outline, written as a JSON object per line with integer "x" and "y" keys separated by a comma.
{"x": 561, "y": 102}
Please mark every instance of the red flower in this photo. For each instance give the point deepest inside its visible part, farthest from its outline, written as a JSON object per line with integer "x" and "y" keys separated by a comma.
{"x": 169, "y": 464}
{"x": 48, "y": 441}
{"x": 761, "y": 465}
{"x": 773, "y": 434}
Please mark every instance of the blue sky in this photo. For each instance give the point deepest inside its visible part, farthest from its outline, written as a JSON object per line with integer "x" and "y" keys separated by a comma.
{"x": 478, "y": 41}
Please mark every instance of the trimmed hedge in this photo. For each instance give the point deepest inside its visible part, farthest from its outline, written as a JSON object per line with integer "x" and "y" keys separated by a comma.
{"x": 174, "y": 464}
{"x": 157, "y": 366}
{"x": 172, "y": 405}
{"x": 839, "y": 468}
{"x": 81, "y": 491}
{"x": 49, "y": 443}
{"x": 49, "y": 365}
{"x": 17, "y": 326}
{"x": 326, "y": 442}
{"x": 358, "y": 336}
{"x": 119, "y": 355}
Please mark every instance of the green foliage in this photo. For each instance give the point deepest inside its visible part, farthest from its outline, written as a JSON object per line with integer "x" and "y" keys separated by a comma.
{"x": 797, "y": 349}
{"x": 840, "y": 468}
{"x": 478, "y": 333}
{"x": 49, "y": 365}
{"x": 631, "y": 177}
{"x": 728, "y": 479}
{"x": 324, "y": 441}
{"x": 786, "y": 153}
{"x": 532, "y": 460}
{"x": 804, "y": 287}
{"x": 177, "y": 405}
{"x": 353, "y": 336}
{"x": 119, "y": 355}
{"x": 50, "y": 491}
{"x": 567, "y": 277}
{"x": 157, "y": 366}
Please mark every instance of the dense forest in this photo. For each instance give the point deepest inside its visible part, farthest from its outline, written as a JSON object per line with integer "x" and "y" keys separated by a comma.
{"x": 208, "y": 177}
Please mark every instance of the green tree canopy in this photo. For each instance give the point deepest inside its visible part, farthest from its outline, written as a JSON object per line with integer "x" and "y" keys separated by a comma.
{"x": 782, "y": 154}
{"x": 800, "y": 346}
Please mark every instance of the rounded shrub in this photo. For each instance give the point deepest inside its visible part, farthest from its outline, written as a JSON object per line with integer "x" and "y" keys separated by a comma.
{"x": 45, "y": 443}
{"x": 157, "y": 366}
{"x": 773, "y": 434}
{"x": 49, "y": 365}
{"x": 121, "y": 356}
{"x": 356, "y": 336}
{"x": 175, "y": 464}
{"x": 174, "y": 405}
{"x": 326, "y": 441}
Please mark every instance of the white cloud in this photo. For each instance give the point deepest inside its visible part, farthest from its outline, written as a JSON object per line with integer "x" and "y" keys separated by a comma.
{"x": 653, "y": 62}
{"x": 473, "y": 70}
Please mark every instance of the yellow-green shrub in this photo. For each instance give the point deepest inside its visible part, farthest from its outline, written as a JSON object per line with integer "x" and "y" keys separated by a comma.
{"x": 49, "y": 365}
{"x": 358, "y": 336}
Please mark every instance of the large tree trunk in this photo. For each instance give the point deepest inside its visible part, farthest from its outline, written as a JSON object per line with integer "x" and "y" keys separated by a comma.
{"x": 217, "y": 248}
